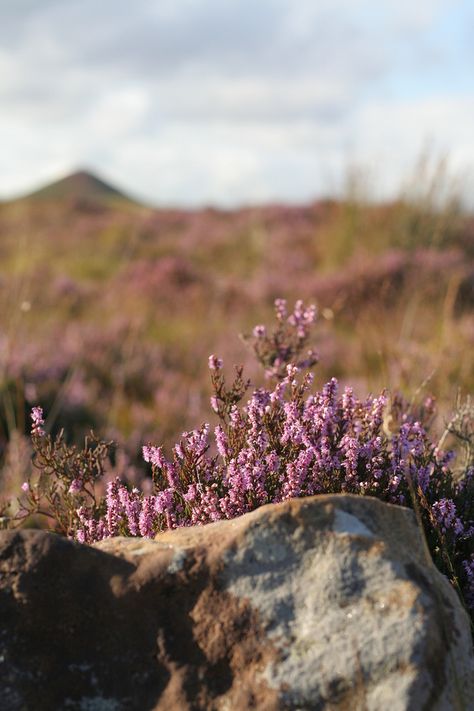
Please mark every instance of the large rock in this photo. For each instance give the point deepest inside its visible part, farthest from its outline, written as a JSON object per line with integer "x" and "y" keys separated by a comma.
{"x": 321, "y": 603}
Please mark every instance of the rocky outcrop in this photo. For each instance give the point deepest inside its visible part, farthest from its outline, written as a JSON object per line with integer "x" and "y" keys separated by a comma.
{"x": 320, "y": 603}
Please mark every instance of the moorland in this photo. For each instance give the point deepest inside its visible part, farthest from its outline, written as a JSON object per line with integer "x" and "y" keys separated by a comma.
{"x": 110, "y": 308}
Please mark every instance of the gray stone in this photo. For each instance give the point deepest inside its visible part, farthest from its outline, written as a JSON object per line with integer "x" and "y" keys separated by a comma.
{"x": 322, "y": 603}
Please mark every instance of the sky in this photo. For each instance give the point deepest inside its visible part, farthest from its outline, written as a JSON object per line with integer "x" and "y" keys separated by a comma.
{"x": 231, "y": 102}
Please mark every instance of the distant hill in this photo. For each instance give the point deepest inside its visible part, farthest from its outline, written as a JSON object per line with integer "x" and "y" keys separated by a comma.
{"x": 81, "y": 186}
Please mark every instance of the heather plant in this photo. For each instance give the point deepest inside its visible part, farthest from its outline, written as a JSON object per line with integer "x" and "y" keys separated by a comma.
{"x": 64, "y": 480}
{"x": 285, "y": 344}
{"x": 283, "y": 441}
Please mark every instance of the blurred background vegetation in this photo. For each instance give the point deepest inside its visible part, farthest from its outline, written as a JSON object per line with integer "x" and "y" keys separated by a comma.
{"x": 109, "y": 309}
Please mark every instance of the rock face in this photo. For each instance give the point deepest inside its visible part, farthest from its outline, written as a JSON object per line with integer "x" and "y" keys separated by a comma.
{"x": 320, "y": 603}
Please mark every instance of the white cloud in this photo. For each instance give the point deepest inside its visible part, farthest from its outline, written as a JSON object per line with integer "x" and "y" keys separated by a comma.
{"x": 225, "y": 101}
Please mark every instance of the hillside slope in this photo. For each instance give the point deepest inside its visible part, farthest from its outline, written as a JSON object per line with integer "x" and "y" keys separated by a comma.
{"x": 81, "y": 185}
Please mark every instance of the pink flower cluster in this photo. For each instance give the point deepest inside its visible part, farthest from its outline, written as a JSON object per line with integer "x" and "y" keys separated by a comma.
{"x": 285, "y": 345}
{"x": 38, "y": 421}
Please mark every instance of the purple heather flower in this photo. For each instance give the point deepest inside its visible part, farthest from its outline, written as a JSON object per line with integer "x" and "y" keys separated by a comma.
{"x": 351, "y": 449}
{"x": 114, "y": 508}
{"x": 38, "y": 421}
{"x": 468, "y": 566}
{"x": 280, "y": 309}
{"x": 172, "y": 474}
{"x": 221, "y": 441}
{"x": 154, "y": 456}
{"x": 302, "y": 318}
{"x": 131, "y": 506}
{"x": 430, "y": 405}
{"x": 191, "y": 493}
{"x": 278, "y": 392}
{"x": 215, "y": 363}
{"x": 75, "y": 486}
{"x": 445, "y": 512}
{"x": 91, "y": 530}
{"x": 178, "y": 450}
{"x": 235, "y": 417}
{"x": 260, "y": 331}
{"x": 146, "y": 518}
